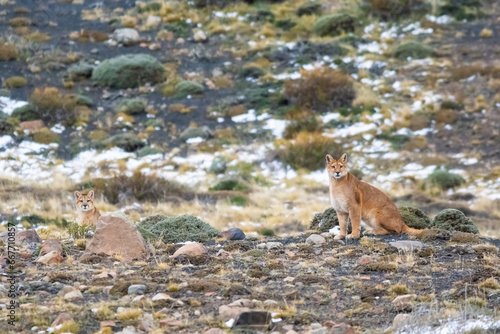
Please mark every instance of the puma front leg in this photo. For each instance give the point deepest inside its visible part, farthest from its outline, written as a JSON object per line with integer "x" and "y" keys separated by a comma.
{"x": 343, "y": 218}
{"x": 355, "y": 215}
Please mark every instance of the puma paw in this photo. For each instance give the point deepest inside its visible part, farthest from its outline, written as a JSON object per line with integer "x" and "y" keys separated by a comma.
{"x": 352, "y": 236}
{"x": 340, "y": 236}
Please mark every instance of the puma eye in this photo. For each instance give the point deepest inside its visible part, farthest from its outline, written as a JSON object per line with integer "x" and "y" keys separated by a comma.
{"x": 81, "y": 200}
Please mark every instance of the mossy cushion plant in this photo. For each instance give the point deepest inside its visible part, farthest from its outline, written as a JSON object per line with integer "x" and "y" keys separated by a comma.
{"x": 25, "y": 113}
{"x": 186, "y": 87}
{"x": 131, "y": 106}
{"x": 334, "y": 25}
{"x": 326, "y": 220}
{"x": 128, "y": 71}
{"x": 444, "y": 179}
{"x": 454, "y": 220}
{"x": 412, "y": 50}
{"x": 176, "y": 229}
{"x": 414, "y": 217}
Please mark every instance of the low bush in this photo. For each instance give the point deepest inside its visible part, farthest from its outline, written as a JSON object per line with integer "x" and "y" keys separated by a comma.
{"x": 306, "y": 150}
{"x": 414, "y": 217}
{"x": 131, "y": 106}
{"x": 310, "y": 8}
{"x": 127, "y": 141}
{"x": 322, "y": 89}
{"x": 52, "y": 106}
{"x": 76, "y": 231}
{"x": 7, "y": 124}
{"x": 176, "y": 229}
{"x": 326, "y": 220}
{"x": 444, "y": 180}
{"x": 45, "y": 136}
{"x": 7, "y": 51}
{"x": 334, "y": 25}
{"x": 395, "y": 9}
{"x": 229, "y": 185}
{"x": 142, "y": 187}
{"x": 268, "y": 232}
{"x": 413, "y": 50}
{"x": 462, "y": 9}
{"x": 186, "y": 87}
{"x": 454, "y": 220}
{"x": 15, "y": 82}
{"x": 302, "y": 121}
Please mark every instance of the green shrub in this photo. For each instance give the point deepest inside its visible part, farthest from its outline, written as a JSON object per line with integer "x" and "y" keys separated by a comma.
{"x": 148, "y": 150}
{"x": 462, "y": 9}
{"x": 444, "y": 179}
{"x": 306, "y": 150}
{"x": 252, "y": 72}
{"x": 76, "y": 231}
{"x": 7, "y": 124}
{"x": 128, "y": 71}
{"x": 454, "y": 220}
{"x": 180, "y": 28}
{"x": 412, "y": 50}
{"x": 126, "y": 141}
{"x": 268, "y": 232}
{"x": 334, "y": 25}
{"x": 397, "y": 141}
{"x": 308, "y": 123}
{"x": 323, "y": 89}
{"x": 15, "y": 82}
{"x": 140, "y": 186}
{"x": 194, "y": 132}
{"x": 285, "y": 24}
{"x": 150, "y": 7}
{"x": 83, "y": 100}
{"x": 326, "y": 220}
{"x": 239, "y": 200}
{"x": 45, "y": 136}
{"x": 186, "y": 87}
{"x": 131, "y": 106}
{"x": 395, "y": 9}
{"x": 310, "y": 8}
{"x": 234, "y": 185}
{"x": 414, "y": 217}
{"x": 176, "y": 229}
{"x": 53, "y": 106}
{"x": 79, "y": 72}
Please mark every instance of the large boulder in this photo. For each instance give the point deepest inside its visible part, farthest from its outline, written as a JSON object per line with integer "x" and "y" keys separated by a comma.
{"x": 22, "y": 238}
{"x": 51, "y": 252}
{"x": 117, "y": 236}
{"x": 128, "y": 71}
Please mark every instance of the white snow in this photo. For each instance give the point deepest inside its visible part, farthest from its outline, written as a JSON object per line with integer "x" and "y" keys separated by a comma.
{"x": 7, "y": 105}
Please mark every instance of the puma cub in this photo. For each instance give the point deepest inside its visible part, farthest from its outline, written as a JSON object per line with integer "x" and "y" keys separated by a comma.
{"x": 358, "y": 200}
{"x": 87, "y": 213}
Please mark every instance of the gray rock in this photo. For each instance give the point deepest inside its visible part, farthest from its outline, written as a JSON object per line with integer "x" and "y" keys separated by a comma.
{"x": 126, "y": 36}
{"x": 137, "y": 289}
{"x": 233, "y": 234}
{"x": 315, "y": 239}
{"x": 400, "y": 320}
{"x": 255, "y": 320}
{"x": 23, "y": 238}
{"x": 407, "y": 244}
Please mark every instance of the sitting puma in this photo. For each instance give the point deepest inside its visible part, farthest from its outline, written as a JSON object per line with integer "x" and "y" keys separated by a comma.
{"x": 87, "y": 213}
{"x": 358, "y": 200}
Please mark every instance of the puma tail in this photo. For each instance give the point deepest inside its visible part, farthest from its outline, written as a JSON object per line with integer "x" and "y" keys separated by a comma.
{"x": 409, "y": 230}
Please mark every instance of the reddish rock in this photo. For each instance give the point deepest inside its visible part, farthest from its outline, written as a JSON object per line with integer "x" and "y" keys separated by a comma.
{"x": 117, "y": 236}
{"x": 227, "y": 312}
{"x": 364, "y": 260}
{"x": 170, "y": 322}
{"x": 51, "y": 245}
{"x": 63, "y": 317}
{"x": 215, "y": 331}
{"x": 192, "y": 250}
{"x": 108, "y": 323}
{"x": 32, "y": 126}
{"x": 50, "y": 258}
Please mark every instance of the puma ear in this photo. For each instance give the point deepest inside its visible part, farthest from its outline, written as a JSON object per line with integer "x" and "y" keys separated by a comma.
{"x": 91, "y": 194}
{"x": 77, "y": 194}
{"x": 343, "y": 158}
{"x": 329, "y": 158}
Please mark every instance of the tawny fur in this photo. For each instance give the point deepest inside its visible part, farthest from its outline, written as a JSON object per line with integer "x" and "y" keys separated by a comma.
{"x": 352, "y": 198}
{"x": 87, "y": 213}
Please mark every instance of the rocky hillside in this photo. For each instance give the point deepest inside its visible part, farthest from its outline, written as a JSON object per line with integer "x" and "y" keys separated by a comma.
{"x": 224, "y": 111}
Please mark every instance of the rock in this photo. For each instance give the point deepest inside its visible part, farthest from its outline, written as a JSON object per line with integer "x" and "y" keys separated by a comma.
{"x": 108, "y": 323}
{"x": 364, "y": 260}
{"x": 147, "y": 323}
{"x": 128, "y": 330}
{"x": 61, "y": 318}
{"x": 270, "y": 245}
{"x": 315, "y": 239}
{"x": 50, "y": 258}
{"x": 215, "y": 331}
{"x": 129, "y": 71}
{"x": 227, "y": 312}
{"x": 74, "y": 295}
{"x": 404, "y": 301}
{"x": 161, "y": 296}
{"x": 192, "y": 250}
{"x": 407, "y": 245}
{"x": 126, "y": 36}
{"x": 242, "y": 303}
{"x": 31, "y": 126}
{"x": 3, "y": 291}
{"x": 22, "y": 238}
{"x": 137, "y": 289}
{"x": 256, "y": 320}
{"x": 233, "y": 234}
{"x": 170, "y": 322}
{"x": 117, "y": 236}
{"x": 51, "y": 245}
{"x": 400, "y": 320}
{"x": 341, "y": 328}
{"x": 153, "y": 21}
{"x": 200, "y": 36}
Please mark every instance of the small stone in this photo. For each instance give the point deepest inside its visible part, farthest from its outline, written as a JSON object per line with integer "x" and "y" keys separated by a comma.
{"x": 242, "y": 303}
{"x": 400, "y": 320}
{"x": 161, "y": 296}
{"x": 364, "y": 260}
{"x": 61, "y": 318}
{"x": 404, "y": 301}
{"x": 233, "y": 234}
{"x": 215, "y": 331}
{"x": 108, "y": 323}
{"x": 170, "y": 322}
{"x": 274, "y": 245}
{"x": 227, "y": 312}
{"x": 73, "y": 295}
{"x": 407, "y": 245}
{"x": 192, "y": 250}
{"x": 126, "y": 36}
{"x": 137, "y": 289}
{"x": 147, "y": 323}
{"x": 154, "y": 46}
{"x": 128, "y": 330}
{"x": 200, "y": 36}
{"x": 50, "y": 258}
{"x": 153, "y": 21}
{"x": 315, "y": 239}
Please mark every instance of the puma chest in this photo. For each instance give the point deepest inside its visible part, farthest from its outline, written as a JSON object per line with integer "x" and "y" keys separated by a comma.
{"x": 339, "y": 202}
